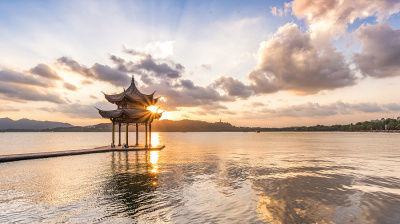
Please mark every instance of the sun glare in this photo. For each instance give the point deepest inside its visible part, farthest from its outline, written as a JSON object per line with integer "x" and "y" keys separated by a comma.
{"x": 152, "y": 108}
{"x": 164, "y": 115}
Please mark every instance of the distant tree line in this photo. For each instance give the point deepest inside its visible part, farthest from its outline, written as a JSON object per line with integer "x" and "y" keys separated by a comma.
{"x": 377, "y": 125}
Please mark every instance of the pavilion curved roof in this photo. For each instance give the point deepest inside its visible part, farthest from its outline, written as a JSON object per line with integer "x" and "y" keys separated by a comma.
{"x": 132, "y": 106}
{"x": 133, "y": 95}
{"x": 130, "y": 115}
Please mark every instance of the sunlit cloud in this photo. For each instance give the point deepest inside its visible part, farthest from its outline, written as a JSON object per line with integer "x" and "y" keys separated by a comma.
{"x": 203, "y": 67}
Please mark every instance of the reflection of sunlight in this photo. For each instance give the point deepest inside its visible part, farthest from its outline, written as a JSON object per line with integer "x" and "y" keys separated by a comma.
{"x": 155, "y": 139}
{"x": 154, "y": 160}
{"x": 54, "y": 187}
{"x": 267, "y": 207}
{"x": 154, "y": 157}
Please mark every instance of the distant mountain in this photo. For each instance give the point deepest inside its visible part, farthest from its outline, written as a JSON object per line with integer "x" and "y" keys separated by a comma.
{"x": 162, "y": 126}
{"x": 6, "y": 124}
{"x": 26, "y": 124}
{"x": 194, "y": 125}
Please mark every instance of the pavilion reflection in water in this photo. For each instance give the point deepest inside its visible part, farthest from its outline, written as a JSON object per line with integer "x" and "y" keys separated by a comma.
{"x": 134, "y": 107}
{"x": 133, "y": 180}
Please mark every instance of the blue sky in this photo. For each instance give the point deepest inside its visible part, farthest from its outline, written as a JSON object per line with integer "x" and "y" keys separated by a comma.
{"x": 268, "y": 63}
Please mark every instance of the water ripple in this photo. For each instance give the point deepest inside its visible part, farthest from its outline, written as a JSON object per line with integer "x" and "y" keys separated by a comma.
{"x": 212, "y": 178}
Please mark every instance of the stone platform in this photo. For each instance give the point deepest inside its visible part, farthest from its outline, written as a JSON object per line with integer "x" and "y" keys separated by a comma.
{"x": 41, "y": 155}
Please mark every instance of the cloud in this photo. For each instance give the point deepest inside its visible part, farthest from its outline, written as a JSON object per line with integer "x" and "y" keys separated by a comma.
{"x": 27, "y": 93}
{"x": 287, "y": 62}
{"x": 120, "y": 62}
{"x": 206, "y": 67}
{"x": 111, "y": 75}
{"x": 148, "y": 65}
{"x": 317, "y": 110}
{"x": 277, "y": 11}
{"x": 8, "y": 109}
{"x": 70, "y": 86}
{"x": 10, "y": 76}
{"x": 215, "y": 106}
{"x": 86, "y": 82}
{"x": 186, "y": 94}
{"x": 135, "y": 52}
{"x": 76, "y": 110}
{"x": 257, "y": 104}
{"x": 188, "y": 84}
{"x": 165, "y": 76}
{"x": 234, "y": 87}
{"x": 45, "y": 71}
{"x": 212, "y": 109}
{"x": 76, "y": 67}
{"x": 380, "y": 55}
{"x": 392, "y": 106}
{"x": 96, "y": 72}
{"x": 160, "y": 69}
{"x": 290, "y": 61}
{"x": 331, "y": 17}
{"x": 304, "y": 110}
{"x": 156, "y": 74}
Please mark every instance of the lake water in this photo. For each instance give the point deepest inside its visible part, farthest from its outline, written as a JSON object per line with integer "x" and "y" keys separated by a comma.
{"x": 205, "y": 178}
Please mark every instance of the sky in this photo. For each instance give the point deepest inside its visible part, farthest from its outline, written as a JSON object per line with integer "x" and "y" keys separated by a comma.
{"x": 263, "y": 63}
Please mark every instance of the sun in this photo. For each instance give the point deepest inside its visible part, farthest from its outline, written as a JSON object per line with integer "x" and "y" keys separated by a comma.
{"x": 155, "y": 109}
{"x": 152, "y": 108}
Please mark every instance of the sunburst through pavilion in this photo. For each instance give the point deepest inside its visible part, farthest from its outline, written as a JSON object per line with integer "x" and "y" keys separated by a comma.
{"x": 134, "y": 107}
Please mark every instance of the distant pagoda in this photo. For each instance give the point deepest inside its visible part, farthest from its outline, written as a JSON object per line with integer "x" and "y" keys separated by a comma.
{"x": 133, "y": 107}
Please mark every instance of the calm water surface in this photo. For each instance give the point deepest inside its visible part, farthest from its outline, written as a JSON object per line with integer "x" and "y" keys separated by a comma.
{"x": 205, "y": 178}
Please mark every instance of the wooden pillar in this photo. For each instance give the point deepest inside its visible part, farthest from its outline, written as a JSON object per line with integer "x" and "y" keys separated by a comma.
{"x": 119, "y": 133}
{"x": 137, "y": 134}
{"x": 113, "y": 137}
{"x": 145, "y": 124}
{"x": 150, "y": 134}
{"x": 126, "y": 135}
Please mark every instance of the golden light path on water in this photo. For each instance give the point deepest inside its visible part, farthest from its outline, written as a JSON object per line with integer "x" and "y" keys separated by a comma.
{"x": 154, "y": 155}
{"x": 205, "y": 178}
{"x": 155, "y": 139}
{"x": 153, "y": 161}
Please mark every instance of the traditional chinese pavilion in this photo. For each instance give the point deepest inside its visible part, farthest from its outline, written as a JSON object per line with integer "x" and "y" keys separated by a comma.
{"x": 133, "y": 107}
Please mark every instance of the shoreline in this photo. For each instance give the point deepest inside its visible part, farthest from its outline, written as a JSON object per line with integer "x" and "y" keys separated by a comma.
{"x": 381, "y": 131}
